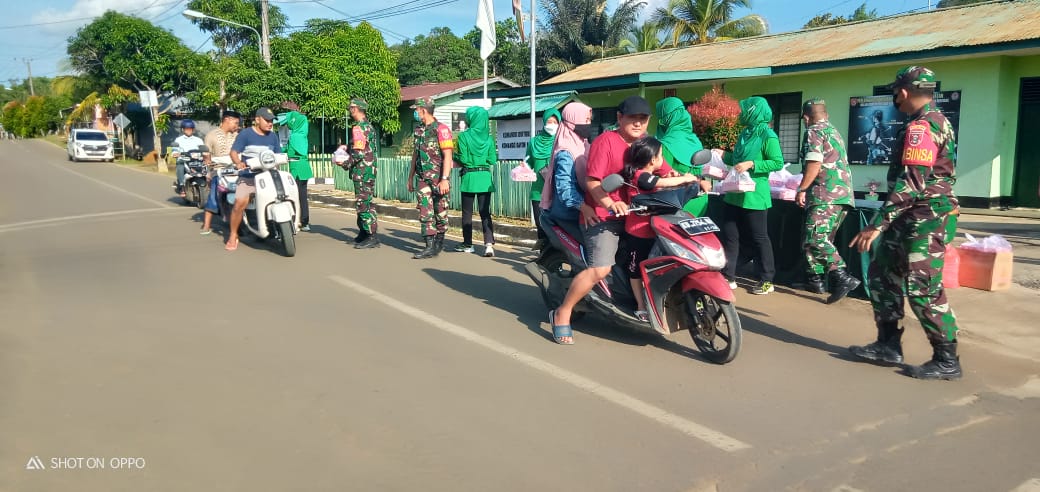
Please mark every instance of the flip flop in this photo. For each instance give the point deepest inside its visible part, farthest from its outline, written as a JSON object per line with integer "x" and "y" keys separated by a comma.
{"x": 231, "y": 246}
{"x": 642, "y": 316}
{"x": 560, "y": 331}
{"x": 206, "y": 232}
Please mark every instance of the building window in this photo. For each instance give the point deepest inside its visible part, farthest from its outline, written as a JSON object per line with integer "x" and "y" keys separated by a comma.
{"x": 787, "y": 122}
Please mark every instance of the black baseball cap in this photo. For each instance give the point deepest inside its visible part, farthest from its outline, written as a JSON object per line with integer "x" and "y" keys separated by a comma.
{"x": 265, "y": 113}
{"x": 634, "y": 105}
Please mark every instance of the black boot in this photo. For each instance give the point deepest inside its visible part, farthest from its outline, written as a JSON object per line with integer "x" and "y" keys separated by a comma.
{"x": 369, "y": 242}
{"x": 944, "y": 364}
{"x": 438, "y": 243}
{"x": 814, "y": 284}
{"x": 428, "y": 252}
{"x": 362, "y": 236}
{"x": 888, "y": 349}
{"x": 841, "y": 284}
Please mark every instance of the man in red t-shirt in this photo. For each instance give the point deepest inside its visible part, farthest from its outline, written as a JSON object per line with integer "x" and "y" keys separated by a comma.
{"x": 603, "y": 230}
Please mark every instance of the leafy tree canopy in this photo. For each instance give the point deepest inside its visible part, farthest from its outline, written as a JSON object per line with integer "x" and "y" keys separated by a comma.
{"x": 707, "y": 21}
{"x": 229, "y": 38}
{"x": 576, "y": 32}
{"x": 829, "y": 19}
{"x": 512, "y": 57}
{"x": 440, "y": 56}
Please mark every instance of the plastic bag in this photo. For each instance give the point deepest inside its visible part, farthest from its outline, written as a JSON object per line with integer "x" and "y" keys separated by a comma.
{"x": 522, "y": 174}
{"x": 782, "y": 193}
{"x": 990, "y": 244}
{"x": 735, "y": 182}
{"x": 340, "y": 156}
{"x": 779, "y": 178}
{"x": 715, "y": 168}
{"x": 794, "y": 181}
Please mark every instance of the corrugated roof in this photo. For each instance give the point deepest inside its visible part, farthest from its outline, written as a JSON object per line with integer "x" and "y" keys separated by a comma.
{"x": 413, "y": 92}
{"x": 991, "y": 23}
{"x": 522, "y": 106}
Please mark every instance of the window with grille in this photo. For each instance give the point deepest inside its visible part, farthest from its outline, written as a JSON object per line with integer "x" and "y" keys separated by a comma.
{"x": 787, "y": 122}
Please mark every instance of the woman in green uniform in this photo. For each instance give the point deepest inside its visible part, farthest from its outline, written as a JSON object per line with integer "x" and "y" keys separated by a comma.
{"x": 477, "y": 154}
{"x": 679, "y": 143}
{"x": 539, "y": 150}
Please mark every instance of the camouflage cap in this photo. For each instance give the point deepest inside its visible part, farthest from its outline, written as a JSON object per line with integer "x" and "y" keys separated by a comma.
{"x": 424, "y": 102}
{"x": 815, "y": 101}
{"x": 360, "y": 103}
{"x": 914, "y": 76}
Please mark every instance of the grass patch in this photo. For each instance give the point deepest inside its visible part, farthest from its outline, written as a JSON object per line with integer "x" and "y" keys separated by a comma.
{"x": 56, "y": 140}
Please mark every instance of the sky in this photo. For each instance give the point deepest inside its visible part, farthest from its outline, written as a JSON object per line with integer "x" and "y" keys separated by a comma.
{"x": 38, "y": 30}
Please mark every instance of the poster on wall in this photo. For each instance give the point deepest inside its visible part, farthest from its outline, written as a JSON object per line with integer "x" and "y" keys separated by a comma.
{"x": 874, "y": 123}
{"x": 513, "y": 136}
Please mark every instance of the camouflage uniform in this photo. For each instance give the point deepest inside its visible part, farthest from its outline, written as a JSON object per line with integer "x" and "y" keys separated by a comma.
{"x": 428, "y": 160}
{"x": 829, "y": 196}
{"x": 363, "y": 174}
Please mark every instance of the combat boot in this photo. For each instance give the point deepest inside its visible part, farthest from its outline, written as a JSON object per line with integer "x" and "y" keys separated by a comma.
{"x": 841, "y": 284}
{"x": 369, "y": 242}
{"x": 888, "y": 349}
{"x": 814, "y": 284}
{"x": 428, "y": 251}
{"x": 944, "y": 364}
{"x": 362, "y": 236}
{"x": 438, "y": 244}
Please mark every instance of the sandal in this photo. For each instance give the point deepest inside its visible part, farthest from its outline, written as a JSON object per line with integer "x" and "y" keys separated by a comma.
{"x": 560, "y": 331}
{"x": 206, "y": 232}
{"x": 231, "y": 246}
{"x": 642, "y": 316}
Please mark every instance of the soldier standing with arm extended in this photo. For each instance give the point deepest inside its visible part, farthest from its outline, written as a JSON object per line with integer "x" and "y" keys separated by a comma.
{"x": 912, "y": 224}
{"x": 363, "y": 173}
{"x": 826, "y": 194}
{"x": 430, "y": 176}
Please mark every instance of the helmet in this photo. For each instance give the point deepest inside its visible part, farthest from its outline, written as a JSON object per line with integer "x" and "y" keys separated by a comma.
{"x": 188, "y": 124}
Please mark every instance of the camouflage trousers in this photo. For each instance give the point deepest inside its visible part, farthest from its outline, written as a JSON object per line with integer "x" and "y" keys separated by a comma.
{"x": 433, "y": 207}
{"x": 821, "y": 224}
{"x": 364, "y": 192}
{"x": 910, "y": 256}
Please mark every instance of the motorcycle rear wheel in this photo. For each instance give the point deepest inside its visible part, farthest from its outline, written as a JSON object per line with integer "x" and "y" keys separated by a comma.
{"x": 714, "y": 326}
{"x": 555, "y": 262}
{"x": 201, "y": 191}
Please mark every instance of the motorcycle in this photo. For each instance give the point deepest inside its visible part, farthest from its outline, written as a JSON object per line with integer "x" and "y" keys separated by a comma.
{"x": 685, "y": 289}
{"x": 196, "y": 183}
{"x": 273, "y": 211}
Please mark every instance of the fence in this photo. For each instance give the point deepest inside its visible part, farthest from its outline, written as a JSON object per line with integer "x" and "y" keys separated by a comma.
{"x": 511, "y": 198}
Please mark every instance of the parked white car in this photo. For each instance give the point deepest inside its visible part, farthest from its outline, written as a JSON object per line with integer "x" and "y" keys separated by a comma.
{"x": 90, "y": 145}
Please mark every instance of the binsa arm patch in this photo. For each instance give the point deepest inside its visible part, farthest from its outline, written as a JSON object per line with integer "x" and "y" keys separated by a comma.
{"x": 444, "y": 137}
{"x": 919, "y": 148}
{"x": 359, "y": 138}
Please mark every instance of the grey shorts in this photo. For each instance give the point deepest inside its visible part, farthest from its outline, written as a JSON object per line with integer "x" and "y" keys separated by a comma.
{"x": 601, "y": 241}
{"x": 245, "y": 187}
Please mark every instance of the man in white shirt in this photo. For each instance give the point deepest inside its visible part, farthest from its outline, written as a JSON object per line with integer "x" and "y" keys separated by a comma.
{"x": 185, "y": 143}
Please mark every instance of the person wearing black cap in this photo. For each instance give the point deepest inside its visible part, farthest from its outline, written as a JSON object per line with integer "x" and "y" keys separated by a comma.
{"x": 604, "y": 221}
{"x": 259, "y": 134}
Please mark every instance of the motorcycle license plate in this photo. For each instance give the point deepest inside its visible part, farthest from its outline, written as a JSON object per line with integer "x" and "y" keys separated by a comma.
{"x": 698, "y": 225}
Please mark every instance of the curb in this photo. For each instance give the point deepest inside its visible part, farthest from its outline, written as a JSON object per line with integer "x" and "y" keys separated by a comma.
{"x": 522, "y": 236}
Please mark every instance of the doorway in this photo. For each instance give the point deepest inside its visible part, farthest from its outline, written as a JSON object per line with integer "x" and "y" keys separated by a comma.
{"x": 1026, "y": 180}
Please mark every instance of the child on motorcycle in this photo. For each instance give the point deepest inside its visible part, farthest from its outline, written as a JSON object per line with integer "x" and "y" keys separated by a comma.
{"x": 642, "y": 159}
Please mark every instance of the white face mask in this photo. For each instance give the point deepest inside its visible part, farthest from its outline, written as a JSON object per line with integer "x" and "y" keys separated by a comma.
{"x": 551, "y": 128}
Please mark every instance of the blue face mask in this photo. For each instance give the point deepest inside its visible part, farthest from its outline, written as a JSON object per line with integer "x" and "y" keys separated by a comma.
{"x": 415, "y": 114}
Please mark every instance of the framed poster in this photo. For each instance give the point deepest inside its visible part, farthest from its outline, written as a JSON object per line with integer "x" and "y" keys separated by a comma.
{"x": 874, "y": 124}
{"x": 513, "y": 136}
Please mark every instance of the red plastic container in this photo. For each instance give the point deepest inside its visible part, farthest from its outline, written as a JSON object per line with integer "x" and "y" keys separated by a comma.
{"x": 951, "y": 268}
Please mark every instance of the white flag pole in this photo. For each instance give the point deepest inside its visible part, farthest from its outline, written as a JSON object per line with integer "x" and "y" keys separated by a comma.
{"x": 533, "y": 81}
{"x": 485, "y": 81}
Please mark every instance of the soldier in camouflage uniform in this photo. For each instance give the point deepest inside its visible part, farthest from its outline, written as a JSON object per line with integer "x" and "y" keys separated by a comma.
{"x": 362, "y": 171}
{"x": 430, "y": 176}
{"x": 913, "y": 228}
{"x": 826, "y": 193}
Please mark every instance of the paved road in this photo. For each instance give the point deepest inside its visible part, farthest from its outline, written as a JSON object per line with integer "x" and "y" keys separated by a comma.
{"x": 126, "y": 334}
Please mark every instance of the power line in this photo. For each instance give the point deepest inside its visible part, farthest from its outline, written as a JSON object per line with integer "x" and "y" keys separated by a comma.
{"x": 19, "y": 26}
{"x": 400, "y": 36}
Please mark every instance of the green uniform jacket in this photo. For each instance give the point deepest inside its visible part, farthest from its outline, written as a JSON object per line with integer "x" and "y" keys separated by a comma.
{"x": 477, "y": 153}
{"x": 770, "y": 159}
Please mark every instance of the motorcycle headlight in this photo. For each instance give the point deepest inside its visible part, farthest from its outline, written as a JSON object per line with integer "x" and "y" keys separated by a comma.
{"x": 711, "y": 258}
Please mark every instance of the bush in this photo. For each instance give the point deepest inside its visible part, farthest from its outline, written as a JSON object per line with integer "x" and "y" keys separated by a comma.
{"x": 716, "y": 119}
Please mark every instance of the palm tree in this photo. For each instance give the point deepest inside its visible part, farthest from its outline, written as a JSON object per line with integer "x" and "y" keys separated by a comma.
{"x": 707, "y": 21}
{"x": 579, "y": 31}
{"x": 643, "y": 38}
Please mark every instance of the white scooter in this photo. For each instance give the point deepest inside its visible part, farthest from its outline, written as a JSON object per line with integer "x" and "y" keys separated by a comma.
{"x": 273, "y": 210}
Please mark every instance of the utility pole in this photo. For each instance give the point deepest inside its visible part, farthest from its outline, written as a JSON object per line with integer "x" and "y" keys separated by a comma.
{"x": 28, "y": 65}
{"x": 265, "y": 37}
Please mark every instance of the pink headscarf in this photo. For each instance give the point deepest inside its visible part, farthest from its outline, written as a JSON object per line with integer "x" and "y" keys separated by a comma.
{"x": 574, "y": 113}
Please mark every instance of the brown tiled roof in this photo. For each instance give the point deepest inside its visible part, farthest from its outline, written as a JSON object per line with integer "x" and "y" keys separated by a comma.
{"x": 413, "y": 92}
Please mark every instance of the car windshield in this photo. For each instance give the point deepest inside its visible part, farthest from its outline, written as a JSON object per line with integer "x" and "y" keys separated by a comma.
{"x": 91, "y": 136}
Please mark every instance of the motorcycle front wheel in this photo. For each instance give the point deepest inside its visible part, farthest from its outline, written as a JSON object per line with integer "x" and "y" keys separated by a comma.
{"x": 714, "y": 326}
{"x": 200, "y": 192}
{"x": 285, "y": 231}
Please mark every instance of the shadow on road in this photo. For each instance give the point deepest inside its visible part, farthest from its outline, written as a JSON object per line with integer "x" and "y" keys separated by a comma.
{"x": 757, "y": 326}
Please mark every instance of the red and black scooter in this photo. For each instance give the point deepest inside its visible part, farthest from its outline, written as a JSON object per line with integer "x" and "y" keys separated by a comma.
{"x": 685, "y": 289}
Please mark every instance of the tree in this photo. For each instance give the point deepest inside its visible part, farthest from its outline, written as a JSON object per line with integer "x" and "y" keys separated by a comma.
{"x": 440, "y": 56}
{"x": 707, "y": 21}
{"x": 646, "y": 37}
{"x": 229, "y": 38}
{"x": 716, "y": 119}
{"x": 511, "y": 58}
{"x": 860, "y": 14}
{"x": 579, "y": 31}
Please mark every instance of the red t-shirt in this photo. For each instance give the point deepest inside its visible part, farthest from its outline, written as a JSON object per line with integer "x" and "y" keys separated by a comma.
{"x": 606, "y": 157}
{"x": 638, "y": 225}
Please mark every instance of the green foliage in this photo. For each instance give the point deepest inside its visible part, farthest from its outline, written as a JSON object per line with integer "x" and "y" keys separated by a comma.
{"x": 829, "y": 19}
{"x": 440, "y": 56}
{"x": 646, "y": 37}
{"x": 133, "y": 53}
{"x": 707, "y": 21}
{"x": 576, "y": 32}
{"x": 512, "y": 57}
{"x": 229, "y": 38}
{"x": 716, "y": 119}
{"x": 35, "y": 117}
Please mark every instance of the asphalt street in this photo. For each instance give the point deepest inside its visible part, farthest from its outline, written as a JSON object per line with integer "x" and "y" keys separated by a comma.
{"x": 126, "y": 334}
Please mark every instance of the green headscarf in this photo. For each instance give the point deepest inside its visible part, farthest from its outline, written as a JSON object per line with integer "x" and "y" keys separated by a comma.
{"x": 475, "y": 143}
{"x": 675, "y": 131}
{"x": 542, "y": 143}
{"x": 296, "y": 148}
{"x": 755, "y": 115}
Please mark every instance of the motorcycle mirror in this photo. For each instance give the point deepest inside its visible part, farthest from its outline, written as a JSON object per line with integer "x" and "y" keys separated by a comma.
{"x": 203, "y": 149}
{"x": 612, "y": 182}
{"x": 701, "y": 157}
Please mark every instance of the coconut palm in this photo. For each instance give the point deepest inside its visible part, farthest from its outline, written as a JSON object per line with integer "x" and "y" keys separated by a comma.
{"x": 646, "y": 37}
{"x": 706, "y": 21}
{"x": 579, "y": 31}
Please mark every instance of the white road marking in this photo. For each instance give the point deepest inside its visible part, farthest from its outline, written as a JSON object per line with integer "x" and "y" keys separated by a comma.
{"x": 969, "y": 423}
{"x": 690, "y": 428}
{"x": 33, "y": 224}
{"x": 114, "y": 187}
{"x": 1031, "y": 485}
